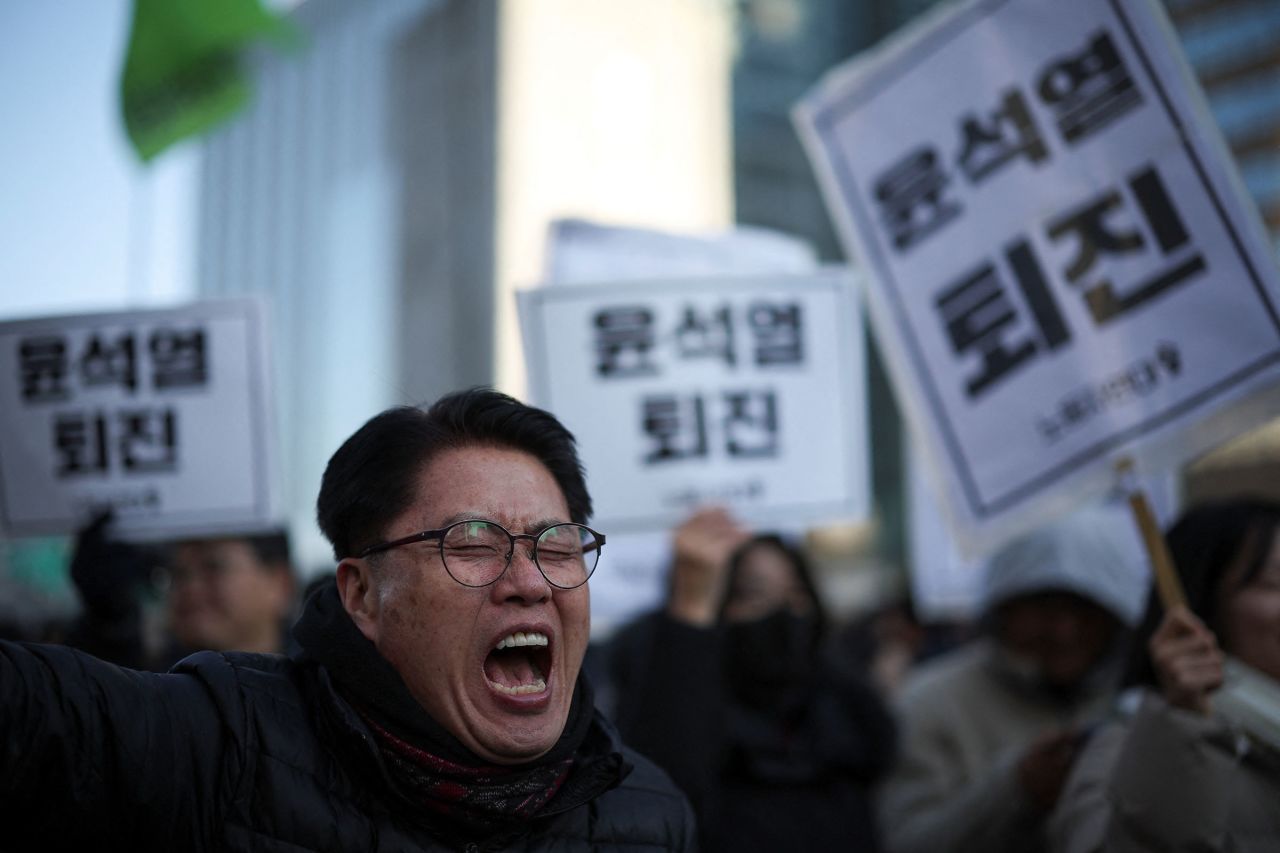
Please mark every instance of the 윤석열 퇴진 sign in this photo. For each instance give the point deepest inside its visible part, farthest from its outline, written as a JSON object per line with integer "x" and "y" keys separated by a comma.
{"x": 161, "y": 415}
{"x": 745, "y": 392}
{"x": 1062, "y": 269}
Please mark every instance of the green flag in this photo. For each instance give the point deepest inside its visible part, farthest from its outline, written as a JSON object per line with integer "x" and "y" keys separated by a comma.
{"x": 182, "y": 74}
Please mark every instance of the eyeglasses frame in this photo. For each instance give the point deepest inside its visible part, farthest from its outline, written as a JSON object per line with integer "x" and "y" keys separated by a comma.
{"x": 439, "y": 533}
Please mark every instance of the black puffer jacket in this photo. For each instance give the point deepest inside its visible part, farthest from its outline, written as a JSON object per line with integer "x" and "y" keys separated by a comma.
{"x": 257, "y": 752}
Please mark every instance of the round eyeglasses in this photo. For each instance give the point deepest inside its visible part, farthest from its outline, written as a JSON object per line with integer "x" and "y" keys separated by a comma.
{"x": 476, "y": 552}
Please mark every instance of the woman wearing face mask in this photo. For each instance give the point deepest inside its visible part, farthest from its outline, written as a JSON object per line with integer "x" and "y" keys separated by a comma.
{"x": 1180, "y": 768}
{"x": 727, "y": 690}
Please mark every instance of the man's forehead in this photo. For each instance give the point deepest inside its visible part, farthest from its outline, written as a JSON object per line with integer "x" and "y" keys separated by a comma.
{"x": 490, "y": 483}
{"x": 509, "y": 519}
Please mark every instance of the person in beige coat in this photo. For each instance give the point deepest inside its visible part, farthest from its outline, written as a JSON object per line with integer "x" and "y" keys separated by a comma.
{"x": 990, "y": 730}
{"x": 1179, "y": 768}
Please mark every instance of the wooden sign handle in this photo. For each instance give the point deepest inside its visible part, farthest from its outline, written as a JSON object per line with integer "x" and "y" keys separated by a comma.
{"x": 1168, "y": 584}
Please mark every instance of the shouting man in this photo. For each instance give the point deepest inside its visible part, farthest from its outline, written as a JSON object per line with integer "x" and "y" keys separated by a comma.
{"x": 437, "y": 702}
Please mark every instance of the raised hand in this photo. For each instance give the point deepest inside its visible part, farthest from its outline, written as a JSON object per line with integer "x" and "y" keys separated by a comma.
{"x": 703, "y": 546}
{"x": 1187, "y": 660}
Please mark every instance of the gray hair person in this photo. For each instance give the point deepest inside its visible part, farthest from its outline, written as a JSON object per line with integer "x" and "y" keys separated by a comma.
{"x": 436, "y": 701}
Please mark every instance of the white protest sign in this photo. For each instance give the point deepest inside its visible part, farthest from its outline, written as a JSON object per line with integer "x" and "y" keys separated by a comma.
{"x": 585, "y": 252}
{"x": 1063, "y": 267}
{"x": 745, "y": 392}
{"x": 161, "y": 414}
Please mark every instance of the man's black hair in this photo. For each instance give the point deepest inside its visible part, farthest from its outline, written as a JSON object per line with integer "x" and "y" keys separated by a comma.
{"x": 1206, "y": 544}
{"x": 373, "y": 476}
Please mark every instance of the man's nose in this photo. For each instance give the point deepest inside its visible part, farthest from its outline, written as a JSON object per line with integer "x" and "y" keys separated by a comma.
{"x": 523, "y": 580}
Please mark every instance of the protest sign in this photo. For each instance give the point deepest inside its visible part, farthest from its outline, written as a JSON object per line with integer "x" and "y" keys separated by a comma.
{"x": 1062, "y": 267}
{"x": 743, "y": 392}
{"x": 585, "y": 252}
{"x": 161, "y": 415}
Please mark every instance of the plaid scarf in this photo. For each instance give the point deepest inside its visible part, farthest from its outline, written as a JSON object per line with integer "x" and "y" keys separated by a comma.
{"x": 483, "y": 796}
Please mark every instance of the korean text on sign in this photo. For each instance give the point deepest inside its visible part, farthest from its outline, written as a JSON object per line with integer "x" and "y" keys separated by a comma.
{"x": 707, "y": 391}
{"x": 1061, "y": 267}
{"x": 160, "y": 415}
{"x": 54, "y": 373}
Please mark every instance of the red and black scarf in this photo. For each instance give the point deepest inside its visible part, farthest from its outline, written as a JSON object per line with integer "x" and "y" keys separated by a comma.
{"x": 475, "y": 794}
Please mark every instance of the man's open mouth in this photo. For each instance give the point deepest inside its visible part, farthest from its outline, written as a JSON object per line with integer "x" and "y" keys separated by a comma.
{"x": 519, "y": 663}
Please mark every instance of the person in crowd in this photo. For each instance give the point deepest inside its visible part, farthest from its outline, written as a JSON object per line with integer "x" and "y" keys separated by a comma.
{"x": 725, "y": 688}
{"x": 435, "y": 703}
{"x": 1174, "y": 769}
{"x": 224, "y": 593}
{"x": 230, "y": 593}
{"x": 990, "y": 730}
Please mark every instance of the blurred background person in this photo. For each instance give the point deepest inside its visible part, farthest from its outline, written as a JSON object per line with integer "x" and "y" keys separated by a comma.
{"x": 234, "y": 592}
{"x": 727, "y": 689}
{"x": 990, "y": 730}
{"x": 225, "y": 593}
{"x": 1172, "y": 771}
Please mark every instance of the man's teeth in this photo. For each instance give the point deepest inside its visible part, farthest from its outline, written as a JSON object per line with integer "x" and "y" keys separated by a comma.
{"x": 517, "y": 640}
{"x": 520, "y": 690}
{"x": 532, "y": 638}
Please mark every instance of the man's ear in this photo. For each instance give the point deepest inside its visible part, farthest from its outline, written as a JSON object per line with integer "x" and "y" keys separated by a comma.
{"x": 359, "y": 594}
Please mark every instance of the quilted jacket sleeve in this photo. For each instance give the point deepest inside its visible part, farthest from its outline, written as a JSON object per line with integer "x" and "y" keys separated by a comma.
{"x": 92, "y": 754}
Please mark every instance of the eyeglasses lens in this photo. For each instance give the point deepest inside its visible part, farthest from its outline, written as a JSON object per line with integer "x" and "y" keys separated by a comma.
{"x": 567, "y": 554}
{"x": 476, "y": 553}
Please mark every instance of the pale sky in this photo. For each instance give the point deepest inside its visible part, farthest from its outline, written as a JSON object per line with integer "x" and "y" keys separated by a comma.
{"x": 85, "y": 225}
